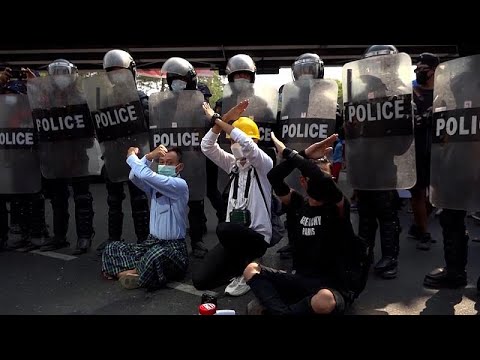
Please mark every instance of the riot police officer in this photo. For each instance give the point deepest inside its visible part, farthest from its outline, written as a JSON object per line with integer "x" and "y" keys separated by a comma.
{"x": 454, "y": 167}
{"x": 181, "y": 76}
{"x": 308, "y": 66}
{"x": 64, "y": 75}
{"x": 27, "y": 211}
{"x": 114, "y": 60}
{"x": 380, "y": 205}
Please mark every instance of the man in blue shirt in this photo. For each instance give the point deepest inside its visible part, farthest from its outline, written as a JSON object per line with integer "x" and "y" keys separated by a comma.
{"x": 163, "y": 256}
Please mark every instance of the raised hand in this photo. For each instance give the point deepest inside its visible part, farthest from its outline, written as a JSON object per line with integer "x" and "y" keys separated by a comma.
{"x": 321, "y": 148}
{"x": 280, "y": 146}
{"x": 235, "y": 112}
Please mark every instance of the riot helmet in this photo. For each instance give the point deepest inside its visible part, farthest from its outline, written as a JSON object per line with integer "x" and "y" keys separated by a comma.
{"x": 64, "y": 73}
{"x": 308, "y": 65}
{"x": 119, "y": 59}
{"x": 181, "y": 74}
{"x": 376, "y": 50}
{"x": 241, "y": 63}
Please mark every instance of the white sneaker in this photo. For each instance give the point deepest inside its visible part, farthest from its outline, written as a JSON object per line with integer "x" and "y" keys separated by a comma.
{"x": 237, "y": 287}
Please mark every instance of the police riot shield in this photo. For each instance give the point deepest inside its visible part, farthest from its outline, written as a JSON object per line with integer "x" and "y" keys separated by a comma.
{"x": 67, "y": 146}
{"x": 118, "y": 118}
{"x": 178, "y": 120}
{"x": 378, "y": 114}
{"x": 19, "y": 163}
{"x": 455, "y": 169}
{"x": 308, "y": 115}
{"x": 262, "y": 108}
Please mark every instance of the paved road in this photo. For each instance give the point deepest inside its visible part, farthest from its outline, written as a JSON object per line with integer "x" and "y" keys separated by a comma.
{"x": 36, "y": 283}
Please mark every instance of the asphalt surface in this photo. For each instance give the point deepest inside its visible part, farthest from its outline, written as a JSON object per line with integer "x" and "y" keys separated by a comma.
{"x": 35, "y": 283}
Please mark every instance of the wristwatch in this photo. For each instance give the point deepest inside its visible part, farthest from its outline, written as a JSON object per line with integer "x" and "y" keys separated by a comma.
{"x": 215, "y": 116}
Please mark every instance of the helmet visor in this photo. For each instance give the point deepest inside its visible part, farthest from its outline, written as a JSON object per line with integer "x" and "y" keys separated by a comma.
{"x": 60, "y": 68}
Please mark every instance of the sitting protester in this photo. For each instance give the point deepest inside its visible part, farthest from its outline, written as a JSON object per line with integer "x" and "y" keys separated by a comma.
{"x": 163, "y": 256}
{"x": 247, "y": 231}
{"x": 330, "y": 261}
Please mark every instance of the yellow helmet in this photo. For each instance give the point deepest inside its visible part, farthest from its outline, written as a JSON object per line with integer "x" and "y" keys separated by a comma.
{"x": 248, "y": 126}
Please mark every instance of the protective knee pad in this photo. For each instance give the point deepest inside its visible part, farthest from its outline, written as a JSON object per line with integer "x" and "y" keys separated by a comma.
{"x": 114, "y": 201}
{"x": 83, "y": 201}
{"x": 367, "y": 227}
{"x": 38, "y": 225}
{"x": 15, "y": 211}
{"x": 139, "y": 202}
{"x": 84, "y": 215}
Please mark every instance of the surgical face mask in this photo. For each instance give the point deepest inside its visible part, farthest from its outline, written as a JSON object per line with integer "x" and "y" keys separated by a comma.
{"x": 63, "y": 81}
{"x": 305, "y": 77}
{"x": 119, "y": 76}
{"x": 167, "y": 170}
{"x": 237, "y": 151}
{"x": 178, "y": 85}
{"x": 241, "y": 81}
{"x": 422, "y": 77}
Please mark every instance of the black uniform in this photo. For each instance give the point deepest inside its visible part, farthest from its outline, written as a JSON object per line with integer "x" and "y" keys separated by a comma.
{"x": 455, "y": 235}
{"x": 138, "y": 201}
{"x": 380, "y": 205}
{"x": 27, "y": 211}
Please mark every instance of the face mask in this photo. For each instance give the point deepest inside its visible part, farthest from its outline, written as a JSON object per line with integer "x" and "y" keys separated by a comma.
{"x": 178, "y": 85}
{"x": 305, "y": 77}
{"x": 241, "y": 81}
{"x": 422, "y": 77}
{"x": 167, "y": 170}
{"x": 237, "y": 151}
{"x": 62, "y": 81}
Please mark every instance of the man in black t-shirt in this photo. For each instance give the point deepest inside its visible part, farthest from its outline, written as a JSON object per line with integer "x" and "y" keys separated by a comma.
{"x": 327, "y": 269}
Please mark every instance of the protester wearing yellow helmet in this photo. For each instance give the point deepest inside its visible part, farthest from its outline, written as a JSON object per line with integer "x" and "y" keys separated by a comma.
{"x": 248, "y": 126}
{"x": 248, "y": 230}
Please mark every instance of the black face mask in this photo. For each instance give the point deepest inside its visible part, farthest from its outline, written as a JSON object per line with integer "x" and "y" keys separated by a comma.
{"x": 422, "y": 77}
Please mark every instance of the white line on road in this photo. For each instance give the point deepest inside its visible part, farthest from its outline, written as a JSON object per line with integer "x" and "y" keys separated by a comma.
{"x": 188, "y": 289}
{"x": 54, "y": 255}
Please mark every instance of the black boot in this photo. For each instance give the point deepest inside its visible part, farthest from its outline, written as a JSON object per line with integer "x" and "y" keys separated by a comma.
{"x": 84, "y": 222}
{"x": 389, "y": 234}
{"x": 38, "y": 228}
{"x": 386, "y": 267}
{"x": 18, "y": 235}
{"x": 367, "y": 222}
{"x": 60, "y": 221}
{"x": 424, "y": 241}
{"x": 115, "y": 217}
{"x": 443, "y": 278}
{"x": 199, "y": 250}
{"x": 455, "y": 247}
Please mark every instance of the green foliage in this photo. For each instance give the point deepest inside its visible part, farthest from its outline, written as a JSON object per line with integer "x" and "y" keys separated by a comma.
{"x": 215, "y": 84}
{"x": 340, "y": 93}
